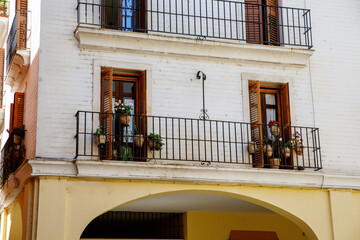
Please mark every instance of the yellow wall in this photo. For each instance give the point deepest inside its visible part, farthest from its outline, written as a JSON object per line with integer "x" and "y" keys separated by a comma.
{"x": 217, "y": 226}
{"x": 64, "y": 207}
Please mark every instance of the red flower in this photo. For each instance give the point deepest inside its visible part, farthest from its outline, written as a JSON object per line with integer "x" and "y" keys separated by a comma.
{"x": 273, "y": 123}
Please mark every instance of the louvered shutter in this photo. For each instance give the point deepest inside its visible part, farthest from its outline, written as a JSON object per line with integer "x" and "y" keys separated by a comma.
{"x": 140, "y": 16}
{"x": 106, "y": 111}
{"x": 254, "y": 21}
{"x": 17, "y": 114}
{"x": 11, "y": 117}
{"x": 255, "y": 120}
{"x": 272, "y": 22}
{"x": 285, "y": 117}
{"x": 21, "y": 6}
{"x": 2, "y": 54}
{"x": 141, "y": 106}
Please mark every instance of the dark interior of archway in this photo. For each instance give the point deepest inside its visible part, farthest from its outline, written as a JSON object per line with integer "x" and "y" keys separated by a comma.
{"x": 141, "y": 225}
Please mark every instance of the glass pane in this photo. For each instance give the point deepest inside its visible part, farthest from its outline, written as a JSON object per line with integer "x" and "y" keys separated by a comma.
{"x": 129, "y": 130}
{"x": 128, "y": 87}
{"x": 270, "y": 99}
{"x": 270, "y": 116}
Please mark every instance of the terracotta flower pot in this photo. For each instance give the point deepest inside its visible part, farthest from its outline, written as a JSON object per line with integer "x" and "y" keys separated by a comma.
{"x": 275, "y": 130}
{"x": 251, "y": 147}
{"x": 286, "y": 151}
{"x": 274, "y": 163}
{"x": 17, "y": 139}
{"x": 139, "y": 140}
{"x": 268, "y": 150}
{"x": 125, "y": 119}
{"x": 299, "y": 149}
{"x": 101, "y": 139}
{"x": 151, "y": 143}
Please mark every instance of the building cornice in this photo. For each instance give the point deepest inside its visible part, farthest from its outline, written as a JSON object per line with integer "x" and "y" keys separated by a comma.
{"x": 94, "y": 38}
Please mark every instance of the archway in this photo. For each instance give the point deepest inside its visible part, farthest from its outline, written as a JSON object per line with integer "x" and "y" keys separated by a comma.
{"x": 200, "y": 212}
{"x": 15, "y": 223}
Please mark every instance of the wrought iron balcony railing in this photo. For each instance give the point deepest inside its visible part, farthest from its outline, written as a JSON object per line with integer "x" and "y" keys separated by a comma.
{"x": 18, "y": 35}
{"x": 205, "y": 141}
{"x": 12, "y": 154}
{"x": 223, "y": 19}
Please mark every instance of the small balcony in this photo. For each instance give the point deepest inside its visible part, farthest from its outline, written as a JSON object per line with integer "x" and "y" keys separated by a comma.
{"x": 202, "y": 19}
{"x": 12, "y": 154}
{"x": 4, "y": 6}
{"x": 17, "y": 49}
{"x": 111, "y": 136}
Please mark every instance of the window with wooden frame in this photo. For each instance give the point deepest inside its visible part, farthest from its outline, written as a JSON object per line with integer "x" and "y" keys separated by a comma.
{"x": 129, "y": 89}
{"x": 262, "y": 21}
{"x": 125, "y": 15}
{"x": 269, "y": 103}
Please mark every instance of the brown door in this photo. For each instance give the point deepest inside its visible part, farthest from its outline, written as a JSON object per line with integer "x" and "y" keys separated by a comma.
{"x": 129, "y": 89}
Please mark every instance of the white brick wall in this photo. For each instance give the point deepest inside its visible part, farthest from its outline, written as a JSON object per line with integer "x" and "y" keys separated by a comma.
{"x": 66, "y": 82}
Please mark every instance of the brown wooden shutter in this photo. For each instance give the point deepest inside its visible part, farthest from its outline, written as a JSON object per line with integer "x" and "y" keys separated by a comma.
{"x": 285, "y": 117}
{"x": 11, "y": 117}
{"x": 22, "y": 6}
{"x": 140, "y": 16}
{"x": 272, "y": 18}
{"x": 106, "y": 111}
{"x": 255, "y": 120}
{"x": 142, "y": 110}
{"x": 17, "y": 111}
{"x": 254, "y": 21}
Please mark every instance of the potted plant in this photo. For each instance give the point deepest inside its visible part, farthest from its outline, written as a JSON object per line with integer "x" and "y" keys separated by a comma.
{"x": 298, "y": 143}
{"x": 154, "y": 141}
{"x": 138, "y": 138}
{"x": 99, "y": 136}
{"x": 267, "y": 149}
{"x": 124, "y": 110}
{"x": 252, "y": 147}
{"x": 286, "y": 149}
{"x": 274, "y": 128}
{"x": 275, "y": 161}
{"x": 125, "y": 153}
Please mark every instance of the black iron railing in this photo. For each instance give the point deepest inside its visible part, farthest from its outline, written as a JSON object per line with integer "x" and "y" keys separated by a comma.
{"x": 253, "y": 23}
{"x": 4, "y": 8}
{"x": 18, "y": 35}
{"x": 206, "y": 141}
{"x": 12, "y": 154}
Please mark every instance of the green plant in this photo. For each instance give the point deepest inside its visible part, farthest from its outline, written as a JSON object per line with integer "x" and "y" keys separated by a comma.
{"x": 99, "y": 131}
{"x": 288, "y": 144}
{"x": 122, "y": 108}
{"x": 156, "y": 138}
{"x": 125, "y": 154}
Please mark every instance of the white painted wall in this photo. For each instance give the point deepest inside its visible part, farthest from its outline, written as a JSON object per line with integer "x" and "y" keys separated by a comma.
{"x": 330, "y": 81}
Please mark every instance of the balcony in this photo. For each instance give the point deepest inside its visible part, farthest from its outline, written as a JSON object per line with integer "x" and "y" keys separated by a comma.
{"x": 3, "y": 20}
{"x": 202, "y": 19}
{"x": 17, "y": 50}
{"x": 206, "y": 142}
{"x": 12, "y": 154}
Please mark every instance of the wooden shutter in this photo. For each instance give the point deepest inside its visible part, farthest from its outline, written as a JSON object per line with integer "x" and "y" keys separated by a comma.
{"x": 106, "y": 111}
{"x": 17, "y": 111}
{"x": 254, "y": 21}
{"x": 255, "y": 120}
{"x": 272, "y": 24}
{"x": 285, "y": 117}
{"x": 141, "y": 109}
{"x": 11, "y": 117}
{"x": 21, "y": 6}
{"x": 140, "y": 16}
